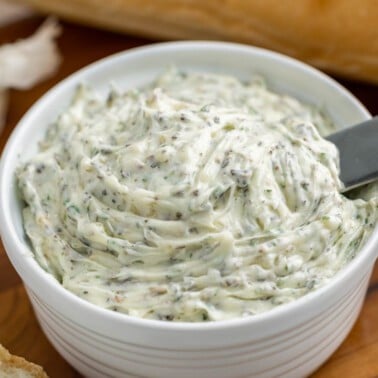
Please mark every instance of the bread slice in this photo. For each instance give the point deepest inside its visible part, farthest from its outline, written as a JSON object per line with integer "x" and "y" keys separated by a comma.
{"x": 17, "y": 367}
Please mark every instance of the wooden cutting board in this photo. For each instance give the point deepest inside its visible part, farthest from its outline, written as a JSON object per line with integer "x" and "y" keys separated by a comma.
{"x": 19, "y": 330}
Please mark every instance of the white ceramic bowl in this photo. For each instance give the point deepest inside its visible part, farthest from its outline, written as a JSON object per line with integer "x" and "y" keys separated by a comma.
{"x": 289, "y": 341}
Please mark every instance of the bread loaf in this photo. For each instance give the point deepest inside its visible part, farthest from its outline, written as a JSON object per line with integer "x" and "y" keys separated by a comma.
{"x": 335, "y": 35}
{"x": 17, "y": 367}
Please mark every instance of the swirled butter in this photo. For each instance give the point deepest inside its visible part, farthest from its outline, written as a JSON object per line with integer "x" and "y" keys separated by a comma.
{"x": 198, "y": 198}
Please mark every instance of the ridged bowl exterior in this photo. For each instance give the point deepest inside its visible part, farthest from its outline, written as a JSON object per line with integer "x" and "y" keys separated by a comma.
{"x": 289, "y": 341}
{"x": 295, "y": 352}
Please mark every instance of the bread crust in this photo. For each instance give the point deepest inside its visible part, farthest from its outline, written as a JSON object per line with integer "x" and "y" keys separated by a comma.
{"x": 9, "y": 363}
{"x": 335, "y": 35}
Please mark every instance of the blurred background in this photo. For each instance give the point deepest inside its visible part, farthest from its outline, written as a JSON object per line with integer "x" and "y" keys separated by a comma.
{"x": 338, "y": 36}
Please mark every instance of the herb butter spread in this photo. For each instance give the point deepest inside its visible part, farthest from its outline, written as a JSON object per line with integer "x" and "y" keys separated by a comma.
{"x": 198, "y": 198}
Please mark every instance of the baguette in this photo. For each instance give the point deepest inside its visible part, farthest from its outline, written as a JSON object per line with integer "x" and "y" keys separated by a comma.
{"x": 338, "y": 36}
{"x": 17, "y": 367}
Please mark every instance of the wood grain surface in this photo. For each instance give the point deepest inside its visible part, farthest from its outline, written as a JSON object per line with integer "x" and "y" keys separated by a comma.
{"x": 19, "y": 330}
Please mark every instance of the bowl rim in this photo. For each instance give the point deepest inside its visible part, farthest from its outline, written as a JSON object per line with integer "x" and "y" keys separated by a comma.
{"x": 15, "y": 248}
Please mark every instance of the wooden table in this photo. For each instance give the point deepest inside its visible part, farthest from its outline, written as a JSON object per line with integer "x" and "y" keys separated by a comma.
{"x": 19, "y": 330}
